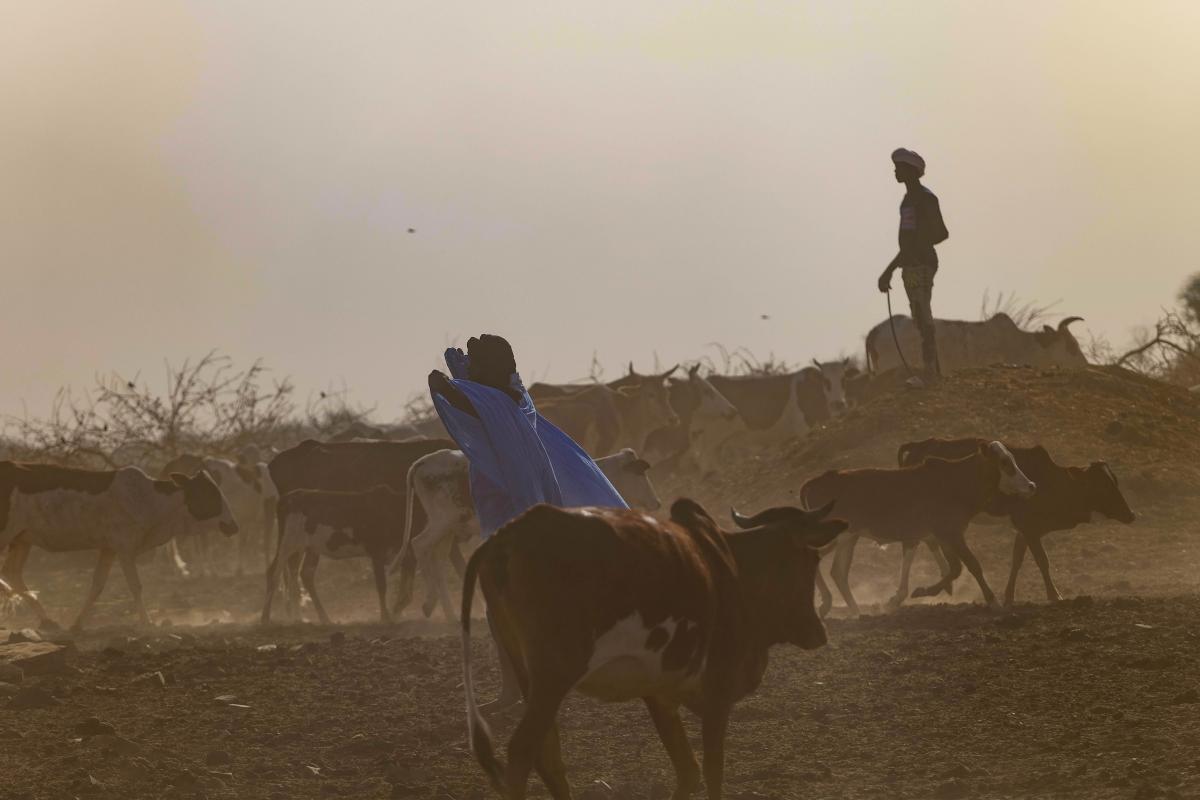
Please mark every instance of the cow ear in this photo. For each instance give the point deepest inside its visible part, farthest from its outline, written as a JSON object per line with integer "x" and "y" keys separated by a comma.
{"x": 694, "y": 370}
{"x": 639, "y": 467}
{"x": 179, "y": 479}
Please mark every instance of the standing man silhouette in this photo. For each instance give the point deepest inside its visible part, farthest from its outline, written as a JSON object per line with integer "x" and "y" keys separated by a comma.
{"x": 921, "y": 227}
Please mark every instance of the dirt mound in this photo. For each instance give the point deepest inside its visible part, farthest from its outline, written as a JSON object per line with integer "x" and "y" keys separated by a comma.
{"x": 1148, "y": 431}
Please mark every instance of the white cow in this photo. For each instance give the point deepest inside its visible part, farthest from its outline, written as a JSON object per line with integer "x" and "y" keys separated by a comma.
{"x": 252, "y": 496}
{"x": 963, "y": 344}
{"x": 120, "y": 513}
{"x": 440, "y": 481}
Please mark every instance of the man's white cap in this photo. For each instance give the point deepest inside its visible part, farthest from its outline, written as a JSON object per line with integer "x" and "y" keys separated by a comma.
{"x": 902, "y": 155}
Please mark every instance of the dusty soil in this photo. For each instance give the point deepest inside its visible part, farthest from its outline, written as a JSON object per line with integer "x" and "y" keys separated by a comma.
{"x": 1095, "y": 697}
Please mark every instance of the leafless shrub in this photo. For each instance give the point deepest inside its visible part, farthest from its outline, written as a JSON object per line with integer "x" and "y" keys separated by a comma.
{"x": 207, "y": 405}
{"x": 331, "y": 410}
{"x": 1167, "y": 351}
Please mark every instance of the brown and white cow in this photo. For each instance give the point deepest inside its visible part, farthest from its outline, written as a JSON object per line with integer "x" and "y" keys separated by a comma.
{"x": 120, "y": 513}
{"x": 962, "y": 344}
{"x": 620, "y": 606}
{"x": 439, "y": 482}
{"x": 936, "y": 498}
{"x": 337, "y": 525}
{"x": 770, "y": 408}
{"x": 1066, "y": 498}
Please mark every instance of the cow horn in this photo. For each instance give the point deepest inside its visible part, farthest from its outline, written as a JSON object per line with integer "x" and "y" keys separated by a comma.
{"x": 816, "y": 363}
{"x": 694, "y": 370}
{"x": 669, "y": 372}
{"x": 638, "y": 467}
{"x": 741, "y": 521}
{"x": 1062, "y": 326}
{"x": 631, "y": 370}
{"x": 821, "y": 513}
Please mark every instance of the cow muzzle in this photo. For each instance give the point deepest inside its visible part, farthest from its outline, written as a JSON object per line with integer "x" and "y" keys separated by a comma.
{"x": 228, "y": 528}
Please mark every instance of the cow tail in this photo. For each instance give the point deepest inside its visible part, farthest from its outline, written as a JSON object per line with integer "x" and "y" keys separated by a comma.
{"x": 479, "y": 736}
{"x": 410, "y": 492}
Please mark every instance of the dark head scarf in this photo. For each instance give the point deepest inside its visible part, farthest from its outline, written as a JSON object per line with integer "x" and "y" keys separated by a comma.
{"x": 492, "y": 361}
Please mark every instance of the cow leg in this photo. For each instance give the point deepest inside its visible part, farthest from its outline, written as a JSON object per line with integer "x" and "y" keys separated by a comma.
{"x": 432, "y": 548}
{"x": 843, "y": 555}
{"x": 379, "y": 570}
{"x": 268, "y": 527}
{"x": 550, "y": 766}
{"x": 1039, "y": 556}
{"x": 528, "y": 744}
{"x": 281, "y": 560}
{"x": 826, "y": 595}
{"x": 134, "y": 582}
{"x": 935, "y": 550}
{"x": 456, "y": 559}
{"x": 292, "y": 591}
{"x": 674, "y": 738}
{"x": 713, "y": 726}
{"x": 969, "y": 560}
{"x": 14, "y": 566}
{"x": 1018, "y": 556}
{"x": 953, "y": 570}
{"x": 99, "y": 578}
{"x": 308, "y": 575}
{"x": 910, "y": 551}
{"x": 407, "y": 565}
{"x": 176, "y": 561}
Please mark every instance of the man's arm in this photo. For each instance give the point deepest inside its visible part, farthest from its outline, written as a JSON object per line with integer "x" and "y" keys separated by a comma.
{"x": 885, "y": 279}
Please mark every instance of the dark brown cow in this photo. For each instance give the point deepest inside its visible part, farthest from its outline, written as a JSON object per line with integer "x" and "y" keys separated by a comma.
{"x": 1066, "y": 497}
{"x": 936, "y": 498}
{"x": 338, "y": 525}
{"x": 355, "y": 467}
{"x": 622, "y": 607}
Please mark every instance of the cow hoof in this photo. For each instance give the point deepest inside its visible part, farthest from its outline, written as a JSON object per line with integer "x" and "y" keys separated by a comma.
{"x": 428, "y": 608}
{"x": 894, "y": 604}
{"x": 923, "y": 591}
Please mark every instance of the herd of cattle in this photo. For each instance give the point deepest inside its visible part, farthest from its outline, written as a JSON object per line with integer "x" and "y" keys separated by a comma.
{"x": 407, "y": 502}
{"x": 617, "y": 604}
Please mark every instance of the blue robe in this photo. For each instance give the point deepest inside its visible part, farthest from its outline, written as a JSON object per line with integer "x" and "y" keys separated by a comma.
{"x": 518, "y": 459}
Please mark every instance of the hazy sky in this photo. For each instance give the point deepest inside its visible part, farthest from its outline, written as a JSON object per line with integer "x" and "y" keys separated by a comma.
{"x": 627, "y": 179}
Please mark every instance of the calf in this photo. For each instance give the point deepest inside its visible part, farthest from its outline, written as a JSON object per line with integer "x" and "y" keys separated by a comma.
{"x": 1066, "y": 497}
{"x": 353, "y": 467}
{"x": 440, "y": 482}
{"x": 936, "y": 498}
{"x": 120, "y": 512}
{"x": 621, "y": 606}
{"x": 337, "y": 525}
